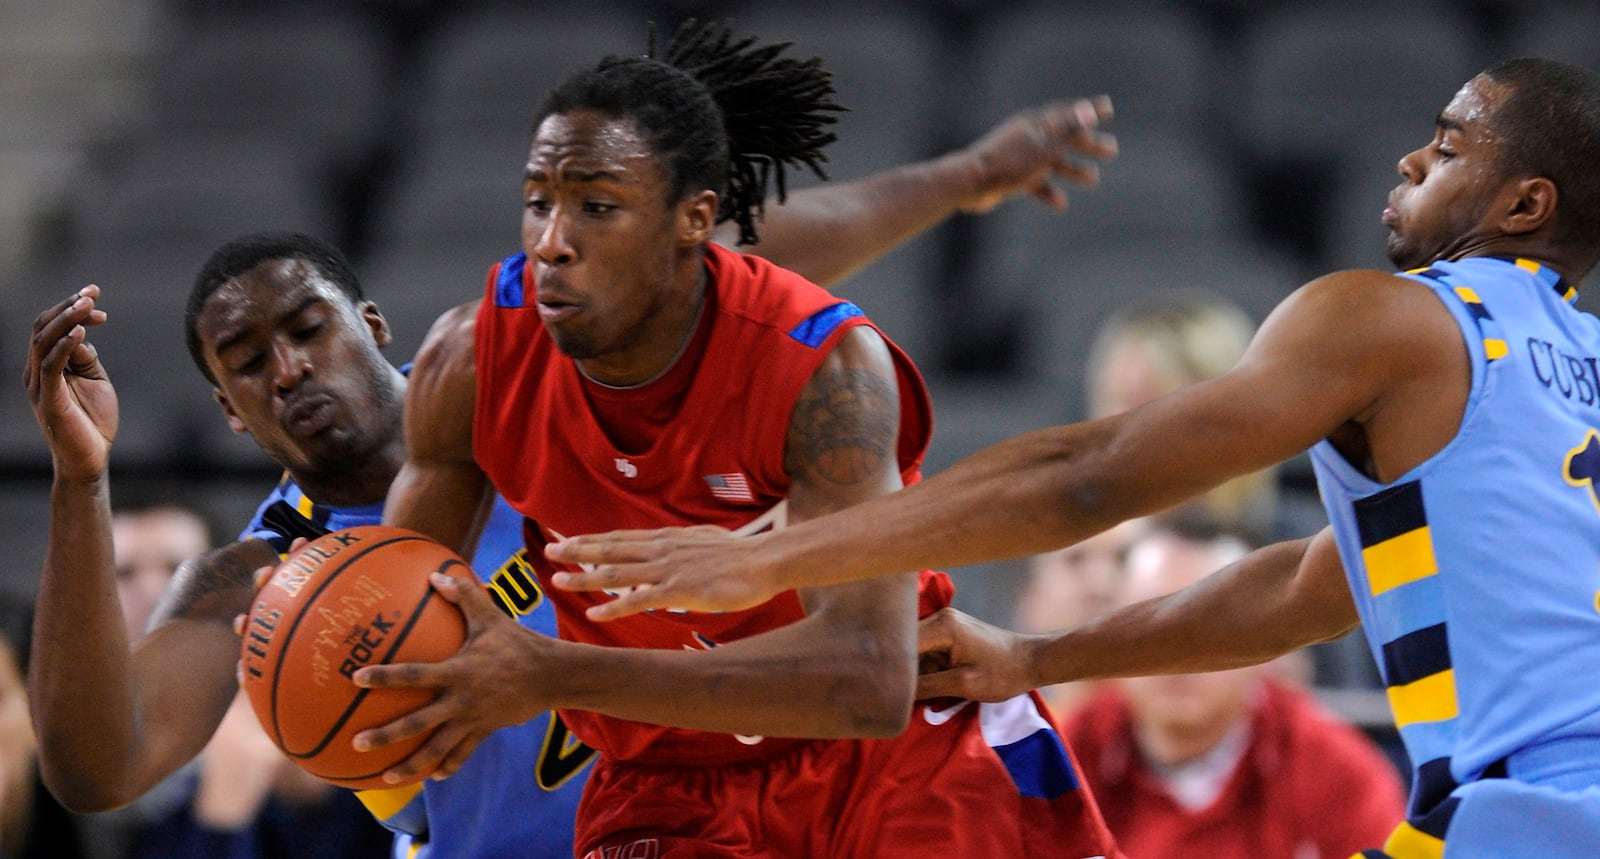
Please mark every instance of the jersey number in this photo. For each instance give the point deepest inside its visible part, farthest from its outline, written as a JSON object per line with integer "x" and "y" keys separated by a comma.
{"x": 1583, "y": 466}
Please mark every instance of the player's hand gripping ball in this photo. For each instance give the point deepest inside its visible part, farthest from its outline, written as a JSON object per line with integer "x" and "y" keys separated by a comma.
{"x": 348, "y": 599}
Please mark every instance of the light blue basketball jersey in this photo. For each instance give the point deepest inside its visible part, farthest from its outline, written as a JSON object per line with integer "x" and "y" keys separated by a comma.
{"x": 1476, "y": 574}
{"x": 518, "y": 793}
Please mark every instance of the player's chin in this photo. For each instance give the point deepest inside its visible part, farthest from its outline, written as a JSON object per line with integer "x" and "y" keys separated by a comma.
{"x": 1401, "y": 255}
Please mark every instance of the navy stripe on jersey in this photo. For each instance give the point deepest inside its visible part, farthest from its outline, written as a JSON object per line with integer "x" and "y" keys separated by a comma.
{"x": 1429, "y": 273}
{"x": 508, "y": 285}
{"x": 1477, "y": 311}
{"x": 1390, "y": 513}
{"x": 1437, "y": 821}
{"x": 816, "y": 328}
{"x": 287, "y": 521}
{"x": 1398, "y": 554}
{"x": 1550, "y": 276}
{"x": 1416, "y": 655}
{"x": 1430, "y": 793}
{"x": 1494, "y": 342}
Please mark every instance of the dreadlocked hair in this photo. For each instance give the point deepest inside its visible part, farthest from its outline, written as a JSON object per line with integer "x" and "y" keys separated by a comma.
{"x": 728, "y": 115}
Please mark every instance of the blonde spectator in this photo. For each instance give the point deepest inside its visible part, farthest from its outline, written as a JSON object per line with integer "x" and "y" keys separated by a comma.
{"x": 1170, "y": 341}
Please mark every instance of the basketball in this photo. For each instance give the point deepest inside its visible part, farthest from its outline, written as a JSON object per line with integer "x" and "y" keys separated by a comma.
{"x": 346, "y": 600}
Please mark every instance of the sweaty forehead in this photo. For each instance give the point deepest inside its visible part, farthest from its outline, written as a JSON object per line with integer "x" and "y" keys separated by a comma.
{"x": 262, "y": 295}
{"x": 577, "y": 144}
{"x": 1474, "y": 104}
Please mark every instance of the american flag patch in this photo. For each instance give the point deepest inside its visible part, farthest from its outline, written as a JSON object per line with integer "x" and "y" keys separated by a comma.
{"x": 729, "y": 487}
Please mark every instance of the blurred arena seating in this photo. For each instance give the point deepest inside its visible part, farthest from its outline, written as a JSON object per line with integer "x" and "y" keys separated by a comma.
{"x": 1257, "y": 141}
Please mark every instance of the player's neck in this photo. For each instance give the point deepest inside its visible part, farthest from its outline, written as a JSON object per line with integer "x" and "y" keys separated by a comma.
{"x": 356, "y": 483}
{"x": 667, "y": 337}
{"x": 1524, "y": 247}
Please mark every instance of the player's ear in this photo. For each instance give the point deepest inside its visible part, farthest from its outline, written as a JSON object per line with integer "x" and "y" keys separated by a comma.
{"x": 227, "y": 411}
{"x": 1531, "y": 204}
{"x": 697, "y": 217}
{"x": 373, "y": 317}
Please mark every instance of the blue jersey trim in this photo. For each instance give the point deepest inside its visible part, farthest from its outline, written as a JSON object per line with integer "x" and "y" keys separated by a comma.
{"x": 508, "y": 285}
{"x": 824, "y": 322}
{"x": 1038, "y": 765}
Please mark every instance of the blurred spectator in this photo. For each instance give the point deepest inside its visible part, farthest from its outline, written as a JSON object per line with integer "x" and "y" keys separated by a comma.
{"x": 1146, "y": 350}
{"x": 1170, "y": 341}
{"x": 1174, "y": 339}
{"x": 1068, "y": 586}
{"x": 150, "y": 539}
{"x": 32, "y": 824}
{"x": 241, "y": 799}
{"x": 250, "y": 802}
{"x": 1228, "y": 763}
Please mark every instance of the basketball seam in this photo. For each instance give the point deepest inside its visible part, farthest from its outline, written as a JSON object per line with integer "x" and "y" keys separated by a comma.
{"x": 283, "y": 650}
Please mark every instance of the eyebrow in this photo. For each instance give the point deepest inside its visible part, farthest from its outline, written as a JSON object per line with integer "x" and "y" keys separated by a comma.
{"x": 535, "y": 174}
{"x": 228, "y": 341}
{"x": 1448, "y": 124}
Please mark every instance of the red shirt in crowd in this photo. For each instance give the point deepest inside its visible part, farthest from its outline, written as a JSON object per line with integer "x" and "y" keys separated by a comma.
{"x": 1306, "y": 786}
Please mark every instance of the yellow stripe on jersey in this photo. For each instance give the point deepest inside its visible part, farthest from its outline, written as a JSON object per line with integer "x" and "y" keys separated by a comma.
{"x": 1431, "y": 699}
{"x": 384, "y": 803}
{"x": 1468, "y": 295}
{"x": 1400, "y": 560}
{"x": 1494, "y": 348}
{"x": 1529, "y": 265}
{"x": 304, "y": 505}
{"x": 1409, "y": 842}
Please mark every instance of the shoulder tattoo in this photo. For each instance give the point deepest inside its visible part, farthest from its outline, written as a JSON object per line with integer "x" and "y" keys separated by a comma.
{"x": 844, "y": 426}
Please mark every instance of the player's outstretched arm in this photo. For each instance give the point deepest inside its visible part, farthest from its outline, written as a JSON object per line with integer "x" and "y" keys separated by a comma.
{"x": 1275, "y": 600}
{"x": 112, "y": 722}
{"x": 1327, "y": 358}
{"x": 829, "y": 231}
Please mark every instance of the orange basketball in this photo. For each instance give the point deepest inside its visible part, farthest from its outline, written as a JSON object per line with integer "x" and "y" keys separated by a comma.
{"x": 348, "y": 599}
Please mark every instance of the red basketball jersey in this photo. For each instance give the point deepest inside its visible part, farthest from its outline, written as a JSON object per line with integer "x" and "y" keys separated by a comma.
{"x": 718, "y": 460}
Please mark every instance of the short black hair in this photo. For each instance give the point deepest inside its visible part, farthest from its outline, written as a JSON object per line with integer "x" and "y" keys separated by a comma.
{"x": 729, "y": 115}
{"x": 1550, "y": 126}
{"x": 248, "y": 251}
{"x": 157, "y": 496}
